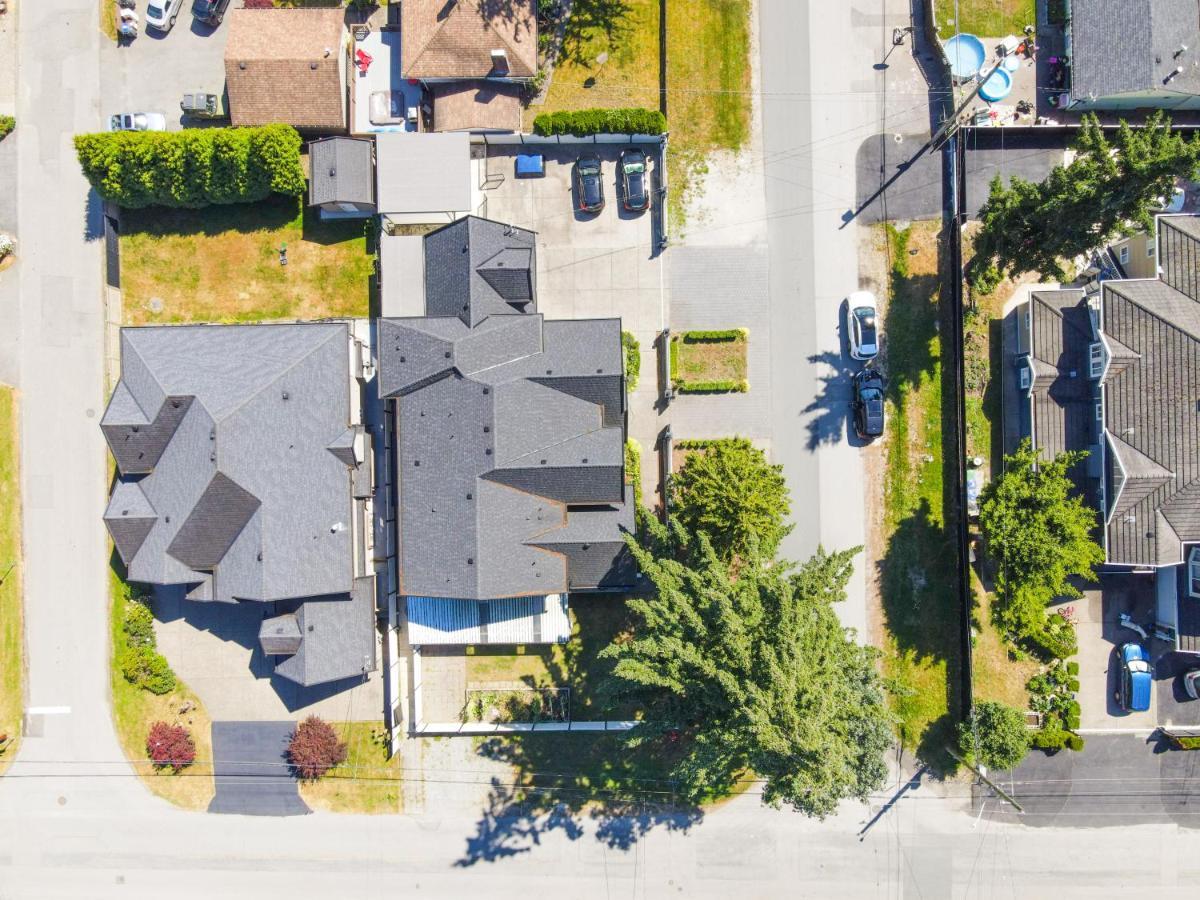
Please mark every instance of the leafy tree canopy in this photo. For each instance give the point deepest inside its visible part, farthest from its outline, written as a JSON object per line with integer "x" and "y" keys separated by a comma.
{"x": 995, "y": 735}
{"x": 756, "y": 673}
{"x": 732, "y": 494}
{"x": 1030, "y": 227}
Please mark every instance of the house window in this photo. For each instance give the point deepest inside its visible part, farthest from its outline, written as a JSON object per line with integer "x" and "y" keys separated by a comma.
{"x": 1099, "y": 412}
{"x": 1194, "y": 572}
{"x": 1096, "y": 360}
{"x": 1025, "y": 377}
{"x": 1123, "y": 255}
{"x": 1150, "y": 249}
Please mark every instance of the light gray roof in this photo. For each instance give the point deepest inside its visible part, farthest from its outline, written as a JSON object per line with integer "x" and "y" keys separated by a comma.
{"x": 422, "y": 172}
{"x": 222, "y": 437}
{"x": 1124, "y": 46}
{"x": 337, "y": 637}
{"x": 475, "y": 268}
{"x": 341, "y": 170}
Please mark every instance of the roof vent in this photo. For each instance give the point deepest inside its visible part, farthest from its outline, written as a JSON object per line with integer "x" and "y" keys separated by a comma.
{"x": 286, "y": 396}
{"x": 242, "y": 66}
{"x": 327, "y": 52}
{"x": 500, "y": 62}
{"x": 313, "y": 66}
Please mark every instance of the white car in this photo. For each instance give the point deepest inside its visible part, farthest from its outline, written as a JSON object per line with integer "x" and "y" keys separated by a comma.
{"x": 862, "y": 325}
{"x": 160, "y": 14}
{"x": 137, "y": 122}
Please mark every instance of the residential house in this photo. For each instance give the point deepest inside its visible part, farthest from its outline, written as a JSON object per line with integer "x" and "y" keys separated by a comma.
{"x": 244, "y": 475}
{"x": 507, "y": 448}
{"x": 1117, "y": 374}
{"x": 287, "y": 65}
{"x": 341, "y": 181}
{"x": 1134, "y": 54}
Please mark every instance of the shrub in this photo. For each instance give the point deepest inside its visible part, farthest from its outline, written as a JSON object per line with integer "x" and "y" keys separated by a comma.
{"x": 724, "y": 334}
{"x": 7, "y": 124}
{"x": 260, "y": 4}
{"x": 1185, "y": 742}
{"x": 708, "y": 443}
{"x": 139, "y": 623}
{"x": 1072, "y": 668}
{"x": 584, "y": 122}
{"x": 147, "y": 668}
{"x": 315, "y": 748}
{"x": 633, "y": 465}
{"x": 170, "y": 746}
{"x": 633, "y": 360}
{"x": 1074, "y": 742}
{"x": 1073, "y": 685}
{"x": 995, "y": 735}
{"x": 7, "y": 245}
{"x": 1051, "y": 643}
{"x": 1073, "y": 722}
{"x": 1050, "y": 739}
{"x": 713, "y": 387}
{"x": 193, "y": 167}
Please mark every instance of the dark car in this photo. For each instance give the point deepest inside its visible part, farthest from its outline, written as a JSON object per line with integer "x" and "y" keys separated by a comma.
{"x": 1133, "y": 692}
{"x": 632, "y": 166}
{"x": 868, "y": 404}
{"x": 210, "y": 12}
{"x": 589, "y": 184}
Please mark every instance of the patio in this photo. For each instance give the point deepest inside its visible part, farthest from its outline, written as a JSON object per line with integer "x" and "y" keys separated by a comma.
{"x": 397, "y": 98}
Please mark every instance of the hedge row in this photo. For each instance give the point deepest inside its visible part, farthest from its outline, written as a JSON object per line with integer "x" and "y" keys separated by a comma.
{"x": 712, "y": 337}
{"x": 192, "y": 168}
{"x": 633, "y": 360}
{"x": 712, "y": 387}
{"x": 708, "y": 443}
{"x": 139, "y": 660}
{"x": 7, "y": 124}
{"x": 584, "y": 122}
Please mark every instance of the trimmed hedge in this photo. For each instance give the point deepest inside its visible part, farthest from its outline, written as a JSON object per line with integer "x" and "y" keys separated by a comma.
{"x": 633, "y": 465}
{"x": 706, "y": 443}
{"x": 712, "y": 387}
{"x": 192, "y": 168}
{"x": 633, "y": 361}
{"x": 712, "y": 337}
{"x": 584, "y": 122}
{"x": 7, "y": 124}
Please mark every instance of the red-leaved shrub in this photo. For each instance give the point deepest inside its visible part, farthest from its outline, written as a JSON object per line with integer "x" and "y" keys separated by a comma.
{"x": 170, "y": 746}
{"x": 260, "y": 4}
{"x": 315, "y": 748}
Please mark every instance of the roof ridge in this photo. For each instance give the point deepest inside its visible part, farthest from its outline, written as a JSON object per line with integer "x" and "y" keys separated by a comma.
{"x": 461, "y": 5}
{"x": 130, "y": 345}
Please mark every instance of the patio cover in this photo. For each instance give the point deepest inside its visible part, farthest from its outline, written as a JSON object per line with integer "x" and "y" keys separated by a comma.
{"x": 513, "y": 620}
{"x": 423, "y": 173}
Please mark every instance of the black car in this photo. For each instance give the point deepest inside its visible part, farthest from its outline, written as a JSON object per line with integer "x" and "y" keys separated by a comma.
{"x": 632, "y": 167}
{"x": 589, "y": 184}
{"x": 210, "y": 12}
{"x": 868, "y": 404}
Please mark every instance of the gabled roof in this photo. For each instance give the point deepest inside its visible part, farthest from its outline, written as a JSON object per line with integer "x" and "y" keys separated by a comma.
{"x": 456, "y": 38}
{"x": 1133, "y": 46}
{"x": 222, "y": 437}
{"x": 285, "y": 65}
{"x": 337, "y": 637}
{"x": 341, "y": 170}
{"x": 476, "y": 106}
{"x": 475, "y": 268}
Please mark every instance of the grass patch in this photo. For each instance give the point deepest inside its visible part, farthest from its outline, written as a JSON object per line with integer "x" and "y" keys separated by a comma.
{"x": 702, "y": 362}
{"x": 12, "y": 634}
{"x": 135, "y": 710}
{"x": 995, "y": 674}
{"x": 985, "y": 18}
{"x": 626, "y": 30}
{"x": 708, "y": 89}
{"x": 918, "y": 569}
{"x": 221, "y": 264}
{"x": 108, "y": 18}
{"x": 367, "y": 782}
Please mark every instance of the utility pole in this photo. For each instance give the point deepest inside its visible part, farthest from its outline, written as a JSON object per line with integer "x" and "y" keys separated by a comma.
{"x": 982, "y": 777}
{"x": 952, "y": 120}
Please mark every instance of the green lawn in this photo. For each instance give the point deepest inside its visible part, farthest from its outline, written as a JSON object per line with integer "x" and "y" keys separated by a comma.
{"x": 985, "y": 18}
{"x": 12, "y": 657}
{"x": 707, "y": 361}
{"x": 221, "y": 264}
{"x": 918, "y": 569}
{"x": 367, "y": 782}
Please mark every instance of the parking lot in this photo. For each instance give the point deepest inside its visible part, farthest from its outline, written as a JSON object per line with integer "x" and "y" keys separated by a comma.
{"x": 1100, "y": 636}
{"x": 152, "y": 72}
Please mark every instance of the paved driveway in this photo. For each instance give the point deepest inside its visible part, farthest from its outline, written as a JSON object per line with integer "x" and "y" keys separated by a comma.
{"x": 252, "y": 774}
{"x": 1100, "y": 635}
{"x": 151, "y": 73}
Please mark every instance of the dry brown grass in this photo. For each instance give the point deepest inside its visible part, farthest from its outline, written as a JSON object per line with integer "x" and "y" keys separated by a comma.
{"x": 108, "y": 18}
{"x": 12, "y": 657}
{"x": 367, "y": 782}
{"x": 710, "y": 361}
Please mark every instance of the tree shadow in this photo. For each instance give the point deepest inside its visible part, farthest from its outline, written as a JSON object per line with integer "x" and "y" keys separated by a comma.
{"x": 274, "y": 212}
{"x": 830, "y": 409}
{"x": 587, "y": 19}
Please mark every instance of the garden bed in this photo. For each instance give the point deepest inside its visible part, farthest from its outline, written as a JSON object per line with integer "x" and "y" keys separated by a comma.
{"x": 709, "y": 361}
{"x": 503, "y": 705}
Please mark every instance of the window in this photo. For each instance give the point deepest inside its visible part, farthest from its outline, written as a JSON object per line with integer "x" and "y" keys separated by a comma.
{"x": 1099, "y": 412}
{"x": 1123, "y": 255}
{"x": 1150, "y": 249}
{"x": 1194, "y": 572}
{"x": 1025, "y": 379}
{"x": 1096, "y": 360}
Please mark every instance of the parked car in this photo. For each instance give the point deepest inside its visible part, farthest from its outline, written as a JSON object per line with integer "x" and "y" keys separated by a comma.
{"x": 1191, "y": 684}
{"x": 862, "y": 318}
{"x": 137, "y": 122}
{"x": 210, "y": 12}
{"x": 635, "y": 194}
{"x": 202, "y": 105}
{"x": 161, "y": 14}
{"x": 868, "y": 404}
{"x": 589, "y": 184}
{"x": 1136, "y": 680}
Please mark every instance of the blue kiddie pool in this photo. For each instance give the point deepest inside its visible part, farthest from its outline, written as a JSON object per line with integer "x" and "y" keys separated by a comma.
{"x": 530, "y": 165}
{"x": 965, "y": 54}
{"x": 997, "y": 87}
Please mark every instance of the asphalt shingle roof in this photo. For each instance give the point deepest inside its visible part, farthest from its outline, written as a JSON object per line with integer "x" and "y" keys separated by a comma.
{"x": 1127, "y": 46}
{"x": 455, "y": 38}
{"x": 475, "y": 268}
{"x": 342, "y": 170}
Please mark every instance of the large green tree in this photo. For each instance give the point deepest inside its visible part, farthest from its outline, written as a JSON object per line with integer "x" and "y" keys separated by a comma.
{"x": 1039, "y": 531}
{"x": 732, "y": 494}
{"x": 756, "y": 673}
{"x": 1030, "y": 227}
{"x": 995, "y": 735}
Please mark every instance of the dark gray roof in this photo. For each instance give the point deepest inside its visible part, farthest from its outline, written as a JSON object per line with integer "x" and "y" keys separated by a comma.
{"x": 1179, "y": 253}
{"x": 1125, "y": 46}
{"x": 337, "y": 637}
{"x": 241, "y": 480}
{"x": 475, "y": 268}
{"x": 341, "y": 170}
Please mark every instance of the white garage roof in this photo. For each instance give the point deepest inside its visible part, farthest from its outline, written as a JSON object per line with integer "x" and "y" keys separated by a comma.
{"x": 514, "y": 620}
{"x": 422, "y": 172}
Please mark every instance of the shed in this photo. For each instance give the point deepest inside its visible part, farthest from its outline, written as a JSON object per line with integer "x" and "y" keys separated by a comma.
{"x": 422, "y": 177}
{"x": 342, "y": 177}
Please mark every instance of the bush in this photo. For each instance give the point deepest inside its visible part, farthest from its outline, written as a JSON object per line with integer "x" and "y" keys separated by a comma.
{"x": 712, "y": 387}
{"x": 193, "y": 167}
{"x": 724, "y": 334}
{"x": 708, "y": 443}
{"x": 170, "y": 746}
{"x": 315, "y": 748}
{"x": 1073, "y": 722}
{"x": 1072, "y": 668}
{"x": 633, "y": 360}
{"x": 7, "y": 245}
{"x": 1052, "y": 643}
{"x": 7, "y": 124}
{"x": 584, "y": 122}
{"x": 995, "y": 735}
{"x": 1074, "y": 742}
{"x": 1073, "y": 685}
{"x": 147, "y": 668}
{"x": 1050, "y": 739}
{"x": 633, "y": 465}
{"x": 139, "y": 624}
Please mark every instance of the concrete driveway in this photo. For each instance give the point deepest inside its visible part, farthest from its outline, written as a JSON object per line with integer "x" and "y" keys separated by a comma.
{"x": 152, "y": 72}
{"x": 251, "y": 771}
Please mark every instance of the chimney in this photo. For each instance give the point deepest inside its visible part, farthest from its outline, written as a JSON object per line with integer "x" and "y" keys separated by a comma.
{"x": 499, "y": 62}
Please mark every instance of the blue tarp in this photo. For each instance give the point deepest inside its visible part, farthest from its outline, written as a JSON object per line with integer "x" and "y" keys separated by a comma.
{"x": 530, "y": 165}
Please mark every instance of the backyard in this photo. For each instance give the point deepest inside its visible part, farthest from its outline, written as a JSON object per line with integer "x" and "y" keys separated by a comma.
{"x": 223, "y": 264}
{"x": 12, "y": 660}
{"x": 984, "y": 18}
{"x": 367, "y": 782}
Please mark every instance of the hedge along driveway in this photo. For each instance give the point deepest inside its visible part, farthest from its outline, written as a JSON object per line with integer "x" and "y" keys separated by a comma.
{"x": 221, "y": 264}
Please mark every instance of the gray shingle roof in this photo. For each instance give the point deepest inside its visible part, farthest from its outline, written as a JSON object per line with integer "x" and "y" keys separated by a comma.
{"x": 1179, "y": 253}
{"x": 337, "y": 637}
{"x": 243, "y": 483}
{"x": 1125, "y": 46}
{"x": 475, "y": 268}
{"x": 341, "y": 170}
